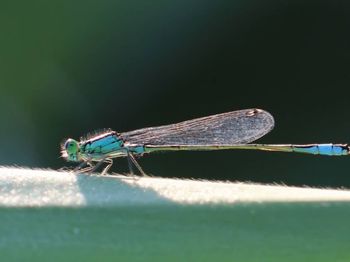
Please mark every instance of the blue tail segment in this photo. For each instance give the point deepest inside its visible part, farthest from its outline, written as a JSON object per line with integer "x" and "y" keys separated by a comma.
{"x": 323, "y": 149}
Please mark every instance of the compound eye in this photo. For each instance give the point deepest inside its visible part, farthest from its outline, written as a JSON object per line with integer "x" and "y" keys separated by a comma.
{"x": 68, "y": 144}
{"x": 71, "y": 146}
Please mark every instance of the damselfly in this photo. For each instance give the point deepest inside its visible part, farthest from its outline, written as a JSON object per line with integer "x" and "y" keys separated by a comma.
{"x": 232, "y": 130}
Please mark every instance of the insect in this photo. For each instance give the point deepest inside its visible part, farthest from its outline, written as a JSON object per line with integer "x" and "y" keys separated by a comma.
{"x": 231, "y": 130}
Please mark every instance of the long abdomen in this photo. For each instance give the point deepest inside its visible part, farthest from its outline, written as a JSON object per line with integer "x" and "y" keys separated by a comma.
{"x": 315, "y": 149}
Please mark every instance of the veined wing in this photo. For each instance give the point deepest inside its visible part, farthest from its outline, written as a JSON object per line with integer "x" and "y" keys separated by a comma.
{"x": 236, "y": 127}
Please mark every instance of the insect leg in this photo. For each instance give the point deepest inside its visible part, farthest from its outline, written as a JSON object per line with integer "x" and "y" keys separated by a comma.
{"x": 79, "y": 169}
{"x": 110, "y": 163}
{"x": 131, "y": 169}
{"x": 133, "y": 160}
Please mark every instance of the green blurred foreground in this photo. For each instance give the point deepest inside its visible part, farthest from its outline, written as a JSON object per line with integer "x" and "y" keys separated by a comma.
{"x": 47, "y": 215}
{"x": 243, "y": 232}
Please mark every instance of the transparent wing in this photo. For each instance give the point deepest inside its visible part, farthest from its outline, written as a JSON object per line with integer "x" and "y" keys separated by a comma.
{"x": 237, "y": 127}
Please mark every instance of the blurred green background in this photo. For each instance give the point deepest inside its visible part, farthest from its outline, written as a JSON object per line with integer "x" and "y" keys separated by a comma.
{"x": 71, "y": 67}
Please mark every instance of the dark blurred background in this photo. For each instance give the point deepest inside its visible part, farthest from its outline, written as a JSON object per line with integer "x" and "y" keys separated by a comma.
{"x": 70, "y": 67}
